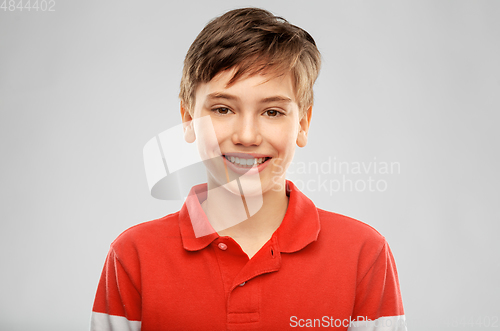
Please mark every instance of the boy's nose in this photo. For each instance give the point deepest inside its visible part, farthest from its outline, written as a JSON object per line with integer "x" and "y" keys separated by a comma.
{"x": 247, "y": 132}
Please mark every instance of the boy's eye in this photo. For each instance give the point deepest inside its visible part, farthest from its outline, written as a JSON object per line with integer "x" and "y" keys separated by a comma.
{"x": 273, "y": 113}
{"x": 221, "y": 110}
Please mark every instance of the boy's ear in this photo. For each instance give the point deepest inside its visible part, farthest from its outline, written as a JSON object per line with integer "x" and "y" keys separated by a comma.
{"x": 187, "y": 124}
{"x": 304, "y": 123}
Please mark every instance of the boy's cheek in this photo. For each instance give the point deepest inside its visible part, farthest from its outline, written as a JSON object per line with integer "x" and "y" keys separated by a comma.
{"x": 279, "y": 166}
{"x": 206, "y": 138}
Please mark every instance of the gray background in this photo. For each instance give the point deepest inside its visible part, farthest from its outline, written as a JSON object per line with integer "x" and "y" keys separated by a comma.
{"x": 82, "y": 89}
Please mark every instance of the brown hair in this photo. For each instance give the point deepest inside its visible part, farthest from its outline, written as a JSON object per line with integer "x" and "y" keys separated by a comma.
{"x": 254, "y": 41}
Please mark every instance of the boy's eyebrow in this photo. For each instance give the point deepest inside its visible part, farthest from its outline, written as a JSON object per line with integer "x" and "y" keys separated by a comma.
{"x": 277, "y": 98}
{"x": 220, "y": 95}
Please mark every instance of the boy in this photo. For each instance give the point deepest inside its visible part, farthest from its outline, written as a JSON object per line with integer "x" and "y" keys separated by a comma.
{"x": 248, "y": 250}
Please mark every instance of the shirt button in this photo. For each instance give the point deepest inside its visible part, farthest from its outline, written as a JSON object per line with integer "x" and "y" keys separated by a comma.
{"x": 222, "y": 246}
{"x": 243, "y": 283}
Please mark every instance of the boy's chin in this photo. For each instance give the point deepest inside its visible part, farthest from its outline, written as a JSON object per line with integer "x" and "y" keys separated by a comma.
{"x": 247, "y": 184}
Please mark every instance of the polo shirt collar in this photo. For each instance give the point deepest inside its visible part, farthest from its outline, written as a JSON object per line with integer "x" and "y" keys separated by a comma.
{"x": 299, "y": 227}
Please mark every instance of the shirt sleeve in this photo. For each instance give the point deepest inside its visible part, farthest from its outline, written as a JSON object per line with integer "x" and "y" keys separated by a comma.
{"x": 117, "y": 305}
{"x": 378, "y": 304}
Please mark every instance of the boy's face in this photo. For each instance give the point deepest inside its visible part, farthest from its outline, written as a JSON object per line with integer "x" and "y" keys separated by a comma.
{"x": 254, "y": 120}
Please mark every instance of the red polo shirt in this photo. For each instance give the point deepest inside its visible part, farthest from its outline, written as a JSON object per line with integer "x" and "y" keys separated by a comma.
{"x": 319, "y": 269}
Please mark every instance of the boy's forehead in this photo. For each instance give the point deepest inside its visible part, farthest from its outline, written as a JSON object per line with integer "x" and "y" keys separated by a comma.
{"x": 274, "y": 82}
{"x": 268, "y": 74}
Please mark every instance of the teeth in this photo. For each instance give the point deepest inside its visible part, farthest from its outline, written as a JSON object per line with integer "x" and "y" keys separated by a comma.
{"x": 245, "y": 162}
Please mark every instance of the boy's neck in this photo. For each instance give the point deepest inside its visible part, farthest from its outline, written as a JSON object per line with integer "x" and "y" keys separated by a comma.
{"x": 252, "y": 233}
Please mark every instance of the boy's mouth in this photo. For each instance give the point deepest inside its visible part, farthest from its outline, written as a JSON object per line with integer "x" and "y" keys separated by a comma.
{"x": 246, "y": 161}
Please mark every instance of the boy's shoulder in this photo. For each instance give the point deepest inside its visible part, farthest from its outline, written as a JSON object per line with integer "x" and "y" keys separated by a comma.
{"x": 159, "y": 231}
{"x": 344, "y": 231}
{"x": 347, "y": 224}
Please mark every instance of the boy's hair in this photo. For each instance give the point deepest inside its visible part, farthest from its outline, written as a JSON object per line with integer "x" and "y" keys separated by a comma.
{"x": 253, "y": 41}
